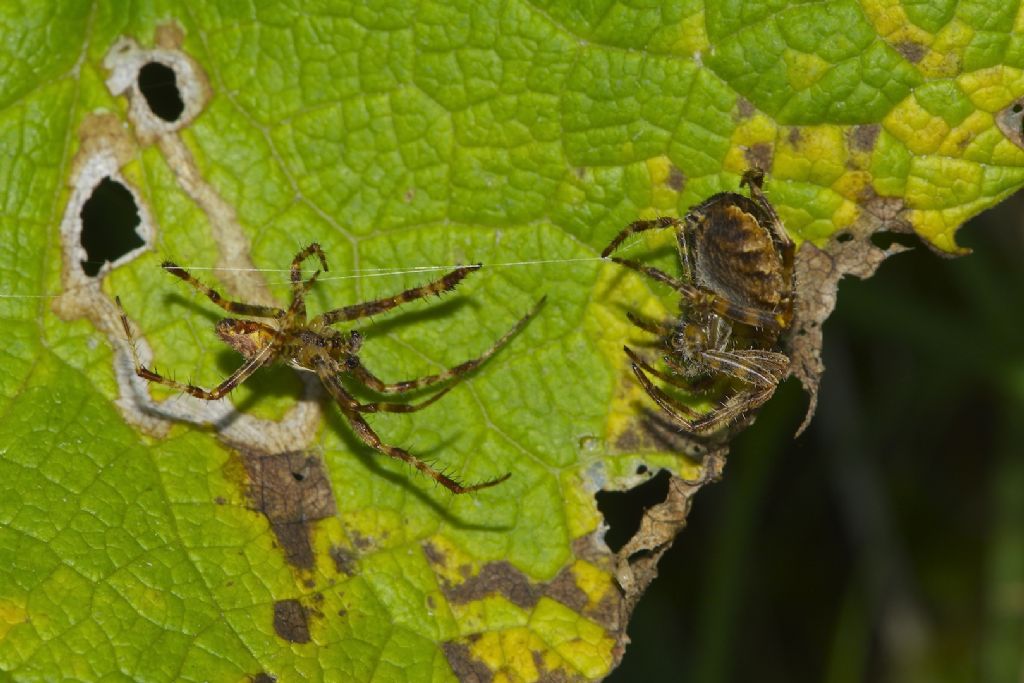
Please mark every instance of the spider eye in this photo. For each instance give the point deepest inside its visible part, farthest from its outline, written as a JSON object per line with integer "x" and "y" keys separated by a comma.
{"x": 351, "y": 362}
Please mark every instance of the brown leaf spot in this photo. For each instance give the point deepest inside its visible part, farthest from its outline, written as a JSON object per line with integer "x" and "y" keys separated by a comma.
{"x": 495, "y": 578}
{"x": 911, "y": 51}
{"x": 794, "y": 136}
{"x": 882, "y": 213}
{"x": 565, "y": 590}
{"x": 360, "y": 541}
{"x": 291, "y": 490}
{"x": 344, "y": 560}
{"x": 744, "y": 108}
{"x": 863, "y": 138}
{"x": 263, "y": 677}
{"x": 546, "y": 675}
{"x": 676, "y": 179}
{"x": 760, "y": 155}
{"x": 169, "y": 36}
{"x": 465, "y": 668}
{"x": 291, "y": 621}
{"x": 1011, "y": 122}
{"x": 434, "y": 554}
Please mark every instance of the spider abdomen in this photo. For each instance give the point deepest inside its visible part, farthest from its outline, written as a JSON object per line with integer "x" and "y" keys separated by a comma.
{"x": 734, "y": 255}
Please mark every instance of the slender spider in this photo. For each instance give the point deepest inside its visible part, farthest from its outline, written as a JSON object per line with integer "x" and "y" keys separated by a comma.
{"x": 737, "y": 300}
{"x": 313, "y": 346}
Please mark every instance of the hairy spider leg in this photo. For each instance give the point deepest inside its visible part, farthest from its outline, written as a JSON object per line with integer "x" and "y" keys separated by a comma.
{"x": 368, "y": 308}
{"x": 711, "y": 421}
{"x": 232, "y": 306}
{"x": 760, "y": 368}
{"x": 648, "y": 325}
{"x": 328, "y": 371}
{"x": 675, "y": 380}
{"x": 299, "y": 288}
{"x": 297, "y": 308}
{"x": 264, "y": 357}
{"x": 395, "y": 407}
{"x": 368, "y": 379}
{"x": 756, "y": 367}
{"x": 697, "y": 296}
{"x": 640, "y": 226}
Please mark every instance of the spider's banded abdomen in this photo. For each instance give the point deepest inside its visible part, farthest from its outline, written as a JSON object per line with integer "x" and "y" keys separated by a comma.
{"x": 734, "y": 255}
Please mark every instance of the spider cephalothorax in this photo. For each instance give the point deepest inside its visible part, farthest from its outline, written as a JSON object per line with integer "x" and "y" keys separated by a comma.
{"x": 314, "y": 346}
{"x": 737, "y": 300}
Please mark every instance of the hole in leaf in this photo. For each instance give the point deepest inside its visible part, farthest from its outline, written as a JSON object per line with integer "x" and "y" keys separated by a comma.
{"x": 298, "y": 476}
{"x": 884, "y": 240}
{"x": 641, "y": 469}
{"x": 1018, "y": 108}
{"x": 623, "y": 510}
{"x": 160, "y": 88}
{"x": 109, "y": 218}
{"x": 843, "y": 237}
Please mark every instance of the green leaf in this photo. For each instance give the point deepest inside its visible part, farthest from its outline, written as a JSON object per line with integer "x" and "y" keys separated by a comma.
{"x": 519, "y": 135}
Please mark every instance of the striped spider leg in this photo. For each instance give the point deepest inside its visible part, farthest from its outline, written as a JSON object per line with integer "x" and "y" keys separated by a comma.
{"x": 312, "y": 345}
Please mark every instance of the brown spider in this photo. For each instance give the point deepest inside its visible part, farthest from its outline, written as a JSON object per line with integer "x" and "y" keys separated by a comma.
{"x": 313, "y": 346}
{"x": 737, "y": 300}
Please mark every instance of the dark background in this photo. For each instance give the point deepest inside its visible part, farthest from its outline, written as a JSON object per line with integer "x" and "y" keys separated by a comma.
{"x": 887, "y": 542}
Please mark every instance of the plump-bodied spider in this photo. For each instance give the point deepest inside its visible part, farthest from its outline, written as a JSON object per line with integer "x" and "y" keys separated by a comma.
{"x": 737, "y": 300}
{"x": 312, "y": 345}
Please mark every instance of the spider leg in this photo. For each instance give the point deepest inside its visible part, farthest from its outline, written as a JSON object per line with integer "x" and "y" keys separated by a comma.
{"x": 348, "y": 405}
{"x": 674, "y": 380}
{"x": 299, "y": 288}
{"x": 360, "y": 372}
{"x": 313, "y": 248}
{"x": 709, "y": 422}
{"x": 368, "y": 308}
{"x": 659, "y": 275}
{"x": 754, "y": 366}
{"x": 299, "y": 291}
{"x": 733, "y": 408}
{"x": 670, "y": 405}
{"x": 237, "y": 377}
{"x": 703, "y": 298}
{"x": 639, "y": 226}
{"x": 655, "y": 327}
{"x": 700, "y": 383}
{"x": 233, "y": 306}
{"x": 394, "y": 407}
